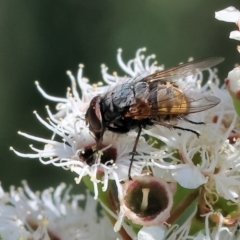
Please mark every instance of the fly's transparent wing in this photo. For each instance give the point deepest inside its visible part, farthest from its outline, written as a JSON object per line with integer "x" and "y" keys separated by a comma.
{"x": 173, "y": 74}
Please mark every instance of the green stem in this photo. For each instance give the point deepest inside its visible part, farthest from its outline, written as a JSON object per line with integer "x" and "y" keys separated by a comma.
{"x": 109, "y": 200}
{"x": 182, "y": 206}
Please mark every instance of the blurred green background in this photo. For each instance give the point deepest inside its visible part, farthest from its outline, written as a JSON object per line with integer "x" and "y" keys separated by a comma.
{"x": 42, "y": 39}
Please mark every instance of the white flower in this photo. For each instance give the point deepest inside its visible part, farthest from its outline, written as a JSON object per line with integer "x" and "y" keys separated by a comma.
{"x": 72, "y": 144}
{"x": 139, "y": 64}
{"x": 75, "y": 152}
{"x": 235, "y": 35}
{"x": 218, "y": 232}
{"x": 230, "y": 14}
{"x": 152, "y": 233}
{"x": 176, "y": 232}
{"x": 50, "y": 215}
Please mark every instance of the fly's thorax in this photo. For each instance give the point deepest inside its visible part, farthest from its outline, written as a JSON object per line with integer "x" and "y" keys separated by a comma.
{"x": 140, "y": 110}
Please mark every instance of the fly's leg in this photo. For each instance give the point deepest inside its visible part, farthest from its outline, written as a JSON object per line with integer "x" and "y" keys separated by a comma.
{"x": 186, "y": 129}
{"x": 197, "y": 123}
{"x": 134, "y": 152}
{"x": 170, "y": 126}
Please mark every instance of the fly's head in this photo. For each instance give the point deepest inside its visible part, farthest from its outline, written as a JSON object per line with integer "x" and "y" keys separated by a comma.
{"x": 94, "y": 119}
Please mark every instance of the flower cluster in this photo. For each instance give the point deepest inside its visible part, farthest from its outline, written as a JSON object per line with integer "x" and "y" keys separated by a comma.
{"x": 51, "y": 215}
{"x": 185, "y": 178}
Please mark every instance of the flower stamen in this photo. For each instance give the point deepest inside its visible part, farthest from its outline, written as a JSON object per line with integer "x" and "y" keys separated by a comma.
{"x": 144, "y": 203}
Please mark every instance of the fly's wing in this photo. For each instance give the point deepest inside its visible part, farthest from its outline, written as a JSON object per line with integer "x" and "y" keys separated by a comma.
{"x": 173, "y": 74}
{"x": 170, "y": 100}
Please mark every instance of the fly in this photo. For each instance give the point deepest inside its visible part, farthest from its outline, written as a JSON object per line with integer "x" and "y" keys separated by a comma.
{"x": 156, "y": 99}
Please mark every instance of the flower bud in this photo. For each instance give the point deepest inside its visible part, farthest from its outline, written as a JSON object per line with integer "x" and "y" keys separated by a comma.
{"x": 233, "y": 85}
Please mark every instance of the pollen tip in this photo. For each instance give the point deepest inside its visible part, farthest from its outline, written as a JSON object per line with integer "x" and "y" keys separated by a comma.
{"x": 47, "y": 107}
{"x": 34, "y": 112}
{"x": 19, "y": 132}
{"x": 119, "y": 50}
{"x": 81, "y": 65}
{"x": 103, "y": 65}
{"x": 69, "y": 72}
{"x": 144, "y": 49}
{"x": 11, "y": 148}
{"x": 36, "y": 82}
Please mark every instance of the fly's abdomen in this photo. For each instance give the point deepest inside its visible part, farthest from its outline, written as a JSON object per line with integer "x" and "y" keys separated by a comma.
{"x": 171, "y": 100}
